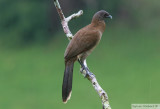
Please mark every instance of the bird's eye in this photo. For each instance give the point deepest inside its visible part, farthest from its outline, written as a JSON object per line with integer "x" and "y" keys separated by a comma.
{"x": 105, "y": 15}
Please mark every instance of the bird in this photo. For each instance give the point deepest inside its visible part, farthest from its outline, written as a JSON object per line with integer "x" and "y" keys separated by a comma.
{"x": 81, "y": 45}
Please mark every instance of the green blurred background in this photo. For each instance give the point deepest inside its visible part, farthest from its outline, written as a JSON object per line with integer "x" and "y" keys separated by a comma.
{"x": 32, "y": 43}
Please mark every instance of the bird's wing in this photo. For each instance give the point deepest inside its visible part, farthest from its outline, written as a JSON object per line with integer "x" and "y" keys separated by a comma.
{"x": 84, "y": 40}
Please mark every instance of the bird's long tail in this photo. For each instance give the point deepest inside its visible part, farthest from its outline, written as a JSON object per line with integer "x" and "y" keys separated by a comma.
{"x": 67, "y": 81}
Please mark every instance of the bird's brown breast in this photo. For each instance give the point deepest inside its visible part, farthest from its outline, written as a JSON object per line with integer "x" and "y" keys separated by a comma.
{"x": 84, "y": 40}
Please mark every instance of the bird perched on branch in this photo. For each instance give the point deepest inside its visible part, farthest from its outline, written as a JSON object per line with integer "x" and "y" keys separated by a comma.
{"x": 82, "y": 44}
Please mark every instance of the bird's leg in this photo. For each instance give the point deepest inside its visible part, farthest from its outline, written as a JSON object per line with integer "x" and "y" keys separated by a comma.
{"x": 84, "y": 67}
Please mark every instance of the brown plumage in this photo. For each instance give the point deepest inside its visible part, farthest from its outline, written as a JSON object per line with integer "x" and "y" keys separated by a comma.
{"x": 82, "y": 44}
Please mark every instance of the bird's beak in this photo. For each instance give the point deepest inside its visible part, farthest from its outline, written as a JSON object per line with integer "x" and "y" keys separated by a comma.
{"x": 109, "y": 16}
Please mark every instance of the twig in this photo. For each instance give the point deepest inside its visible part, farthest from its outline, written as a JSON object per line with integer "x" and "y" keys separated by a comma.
{"x": 64, "y": 21}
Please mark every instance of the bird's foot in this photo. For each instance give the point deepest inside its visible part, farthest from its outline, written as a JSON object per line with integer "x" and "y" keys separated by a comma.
{"x": 90, "y": 74}
{"x": 87, "y": 72}
{"x": 86, "y": 69}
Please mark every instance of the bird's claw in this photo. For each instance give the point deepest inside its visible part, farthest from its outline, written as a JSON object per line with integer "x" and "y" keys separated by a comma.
{"x": 87, "y": 72}
{"x": 90, "y": 74}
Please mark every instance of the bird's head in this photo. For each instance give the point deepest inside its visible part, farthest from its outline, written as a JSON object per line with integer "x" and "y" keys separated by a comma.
{"x": 101, "y": 15}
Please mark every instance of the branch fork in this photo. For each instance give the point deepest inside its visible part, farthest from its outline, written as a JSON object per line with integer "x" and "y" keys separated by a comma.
{"x": 64, "y": 21}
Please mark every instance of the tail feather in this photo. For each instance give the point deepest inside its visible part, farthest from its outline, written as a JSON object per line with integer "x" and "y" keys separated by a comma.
{"x": 67, "y": 81}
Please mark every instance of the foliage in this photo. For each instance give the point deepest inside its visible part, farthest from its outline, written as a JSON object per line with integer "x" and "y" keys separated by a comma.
{"x": 30, "y": 21}
{"x": 23, "y": 22}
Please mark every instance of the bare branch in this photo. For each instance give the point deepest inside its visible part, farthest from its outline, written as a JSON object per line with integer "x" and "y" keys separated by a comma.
{"x": 59, "y": 10}
{"x": 64, "y": 21}
{"x": 75, "y": 15}
{"x": 102, "y": 94}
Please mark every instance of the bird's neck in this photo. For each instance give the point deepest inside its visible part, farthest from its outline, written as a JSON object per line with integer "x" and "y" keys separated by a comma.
{"x": 99, "y": 24}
